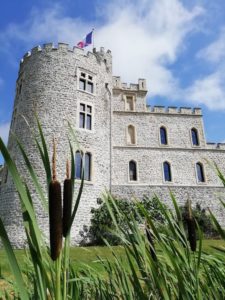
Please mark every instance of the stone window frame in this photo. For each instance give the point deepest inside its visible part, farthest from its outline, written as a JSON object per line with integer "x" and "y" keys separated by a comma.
{"x": 190, "y": 133}
{"x": 125, "y": 96}
{"x": 87, "y": 74}
{"x": 171, "y": 172}
{"x": 137, "y": 171}
{"x": 86, "y": 113}
{"x": 167, "y": 136}
{"x": 84, "y": 151}
{"x": 203, "y": 171}
{"x": 127, "y": 135}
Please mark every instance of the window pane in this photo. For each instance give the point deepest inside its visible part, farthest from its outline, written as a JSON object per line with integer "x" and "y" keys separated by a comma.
{"x": 163, "y": 136}
{"x": 89, "y": 109}
{"x": 129, "y": 104}
{"x": 132, "y": 171}
{"x": 89, "y": 77}
{"x": 131, "y": 135}
{"x": 90, "y": 87}
{"x": 88, "y": 125}
{"x": 82, "y": 84}
{"x": 82, "y": 74}
{"x": 87, "y": 167}
{"x": 200, "y": 173}
{"x": 82, "y": 120}
{"x": 82, "y": 107}
{"x": 78, "y": 165}
{"x": 194, "y": 135}
{"x": 167, "y": 171}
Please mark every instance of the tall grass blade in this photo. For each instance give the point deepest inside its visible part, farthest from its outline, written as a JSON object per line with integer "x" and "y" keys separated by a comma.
{"x": 13, "y": 263}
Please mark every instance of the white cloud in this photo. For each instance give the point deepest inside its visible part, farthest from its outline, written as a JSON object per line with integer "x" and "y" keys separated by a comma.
{"x": 214, "y": 52}
{"x": 4, "y": 131}
{"x": 209, "y": 90}
{"x": 145, "y": 37}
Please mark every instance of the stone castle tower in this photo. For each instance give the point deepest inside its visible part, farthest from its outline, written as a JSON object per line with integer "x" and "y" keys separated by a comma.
{"x": 129, "y": 148}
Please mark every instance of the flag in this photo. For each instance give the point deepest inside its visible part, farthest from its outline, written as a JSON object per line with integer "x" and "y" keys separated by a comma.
{"x": 86, "y": 41}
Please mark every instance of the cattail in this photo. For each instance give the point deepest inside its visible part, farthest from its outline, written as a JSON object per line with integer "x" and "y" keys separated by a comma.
{"x": 67, "y": 201}
{"x": 55, "y": 211}
{"x": 151, "y": 242}
{"x": 191, "y": 228}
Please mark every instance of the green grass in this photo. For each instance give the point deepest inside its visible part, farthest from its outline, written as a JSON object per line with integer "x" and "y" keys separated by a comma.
{"x": 90, "y": 255}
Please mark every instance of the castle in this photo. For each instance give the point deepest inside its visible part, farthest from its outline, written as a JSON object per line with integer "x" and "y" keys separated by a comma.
{"x": 129, "y": 148}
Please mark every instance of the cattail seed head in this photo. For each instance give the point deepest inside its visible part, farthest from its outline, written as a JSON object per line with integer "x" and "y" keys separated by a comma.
{"x": 151, "y": 242}
{"x": 67, "y": 201}
{"x": 191, "y": 228}
{"x": 55, "y": 211}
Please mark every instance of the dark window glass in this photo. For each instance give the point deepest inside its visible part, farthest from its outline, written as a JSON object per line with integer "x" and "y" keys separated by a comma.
{"x": 167, "y": 171}
{"x": 163, "y": 136}
{"x": 194, "y": 135}
{"x": 200, "y": 173}
{"x": 88, "y": 108}
{"x": 89, "y": 77}
{"x": 83, "y": 74}
{"x": 90, "y": 87}
{"x": 87, "y": 167}
{"x": 88, "y": 125}
{"x": 82, "y": 84}
{"x": 82, "y": 120}
{"x": 78, "y": 165}
{"x": 132, "y": 171}
{"x": 82, "y": 107}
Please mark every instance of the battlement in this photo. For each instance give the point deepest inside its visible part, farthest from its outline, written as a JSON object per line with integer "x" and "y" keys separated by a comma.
{"x": 175, "y": 110}
{"x": 219, "y": 146}
{"x": 118, "y": 85}
{"x": 63, "y": 47}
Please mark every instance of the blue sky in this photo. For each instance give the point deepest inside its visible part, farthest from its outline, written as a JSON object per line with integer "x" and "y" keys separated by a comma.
{"x": 178, "y": 46}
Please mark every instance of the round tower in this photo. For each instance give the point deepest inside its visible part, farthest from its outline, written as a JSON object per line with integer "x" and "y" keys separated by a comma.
{"x": 61, "y": 84}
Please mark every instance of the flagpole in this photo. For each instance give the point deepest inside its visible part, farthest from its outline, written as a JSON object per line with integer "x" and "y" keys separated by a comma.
{"x": 93, "y": 39}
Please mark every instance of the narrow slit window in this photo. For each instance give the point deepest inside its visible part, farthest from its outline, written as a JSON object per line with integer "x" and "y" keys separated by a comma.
{"x": 194, "y": 136}
{"x": 163, "y": 136}
{"x": 167, "y": 171}
{"x": 131, "y": 135}
{"x": 132, "y": 170}
{"x": 200, "y": 172}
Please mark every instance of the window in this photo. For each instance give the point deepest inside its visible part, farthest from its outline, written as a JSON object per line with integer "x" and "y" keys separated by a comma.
{"x": 86, "y": 83}
{"x": 131, "y": 139}
{"x": 163, "y": 136}
{"x": 85, "y": 116}
{"x": 194, "y": 137}
{"x": 132, "y": 170}
{"x": 167, "y": 171}
{"x": 81, "y": 158}
{"x": 129, "y": 103}
{"x": 200, "y": 172}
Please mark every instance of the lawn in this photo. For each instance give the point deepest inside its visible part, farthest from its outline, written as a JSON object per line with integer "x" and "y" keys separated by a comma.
{"x": 90, "y": 255}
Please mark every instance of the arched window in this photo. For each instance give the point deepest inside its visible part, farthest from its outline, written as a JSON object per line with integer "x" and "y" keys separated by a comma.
{"x": 163, "y": 136}
{"x": 87, "y": 167}
{"x": 200, "y": 172}
{"x": 167, "y": 171}
{"x": 132, "y": 170}
{"x": 131, "y": 139}
{"x": 194, "y": 137}
{"x": 79, "y": 159}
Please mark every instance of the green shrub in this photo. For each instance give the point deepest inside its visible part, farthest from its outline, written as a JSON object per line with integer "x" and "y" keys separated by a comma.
{"x": 102, "y": 226}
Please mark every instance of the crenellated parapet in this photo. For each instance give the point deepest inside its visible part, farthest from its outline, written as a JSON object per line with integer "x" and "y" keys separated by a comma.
{"x": 118, "y": 85}
{"x": 100, "y": 55}
{"x": 175, "y": 110}
{"x": 218, "y": 146}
